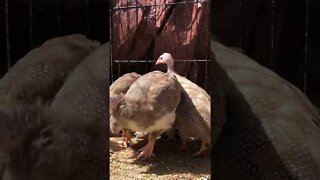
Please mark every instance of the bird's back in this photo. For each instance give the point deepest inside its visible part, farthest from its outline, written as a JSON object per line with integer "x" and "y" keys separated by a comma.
{"x": 42, "y": 71}
{"x": 123, "y": 83}
{"x": 159, "y": 90}
{"x": 193, "y": 117}
{"x": 274, "y": 123}
{"x": 84, "y": 94}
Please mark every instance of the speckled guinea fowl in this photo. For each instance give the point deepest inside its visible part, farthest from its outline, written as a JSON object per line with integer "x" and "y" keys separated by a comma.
{"x": 272, "y": 129}
{"x": 193, "y": 113}
{"x": 42, "y": 71}
{"x": 148, "y": 106}
{"x": 121, "y": 86}
{"x": 67, "y": 140}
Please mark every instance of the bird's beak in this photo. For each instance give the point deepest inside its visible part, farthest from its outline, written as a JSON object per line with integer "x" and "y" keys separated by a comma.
{"x": 158, "y": 62}
{"x": 116, "y": 131}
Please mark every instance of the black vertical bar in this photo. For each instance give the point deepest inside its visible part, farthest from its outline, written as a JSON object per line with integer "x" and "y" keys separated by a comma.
{"x": 3, "y": 48}
{"x": 241, "y": 25}
{"x": 186, "y": 43}
{"x": 8, "y": 45}
{"x": 226, "y": 14}
{"x": 209, "y": 29}
{"x": 165, "y": 30}
{"x": 175, "y": 22}
{"x": 119, "y": 60}
{"x": 272, "y": 55}
{"x": 128, "y": 30}
{"x": 137, "y": 9}
{"x": 145, "y": 34}
{"x": 31, "y": 24}
{"x": 208, "y": 46}
{"x": 99, "y": 19}
{"x": 111, "y": 40}
{"x": 197, "y": 34}
{"x": 291, "y": 46}
{"x": 59, "y": 16}
{"x": 306, "y": 48}
{"x": 313, "y": 52}
{"x": 151, "y": 51}
{"x": 88, "y": 18}
{"x": 155, "y": 32}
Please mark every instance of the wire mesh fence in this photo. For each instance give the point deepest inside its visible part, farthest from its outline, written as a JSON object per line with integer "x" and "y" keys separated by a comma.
{"x": 141, "y": 30}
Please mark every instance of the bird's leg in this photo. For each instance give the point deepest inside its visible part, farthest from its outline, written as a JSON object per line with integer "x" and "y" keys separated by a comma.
{"x": 202, "y": 150}
{"x": 126, "y": 136}
{"x": 147, "y": 150}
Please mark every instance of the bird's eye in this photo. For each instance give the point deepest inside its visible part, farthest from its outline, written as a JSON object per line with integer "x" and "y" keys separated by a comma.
{"x": 161, "y": 58}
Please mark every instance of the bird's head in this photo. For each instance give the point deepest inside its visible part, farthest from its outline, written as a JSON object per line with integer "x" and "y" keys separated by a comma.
{"x": 167, "y": 59}
{"x": 114, "y": 126}
{"x": 115, "y": 101}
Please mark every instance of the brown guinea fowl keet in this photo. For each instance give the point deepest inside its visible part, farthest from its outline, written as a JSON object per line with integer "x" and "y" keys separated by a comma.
{"x": 148, "y": 106}
{"x": 193, "y": 113}
{"x": 121, "y": 86}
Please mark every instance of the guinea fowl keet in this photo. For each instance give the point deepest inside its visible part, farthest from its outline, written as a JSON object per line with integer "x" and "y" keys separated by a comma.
{"x": 193, "y": 113}
{"x": 121, "y": 86}
{"x": 148, "y": 106}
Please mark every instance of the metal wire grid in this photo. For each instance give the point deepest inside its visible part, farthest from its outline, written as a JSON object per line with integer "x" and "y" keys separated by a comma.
{"x": 146, "y": 62}
{"x": 31, "y": 5}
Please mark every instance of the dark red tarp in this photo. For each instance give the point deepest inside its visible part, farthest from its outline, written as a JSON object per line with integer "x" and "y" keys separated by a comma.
{"x": 147, "y": 31}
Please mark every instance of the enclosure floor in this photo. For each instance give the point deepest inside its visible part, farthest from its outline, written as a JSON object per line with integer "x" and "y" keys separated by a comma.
{"x": 167, "y": 163}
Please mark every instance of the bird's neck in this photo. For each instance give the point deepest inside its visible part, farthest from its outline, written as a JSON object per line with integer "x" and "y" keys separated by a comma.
{"x": 170, "y": 67}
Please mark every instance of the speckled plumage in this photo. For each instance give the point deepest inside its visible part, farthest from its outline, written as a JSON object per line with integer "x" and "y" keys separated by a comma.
{"x": 272, "y": 130}
{"x": 149, "y": 97}
{"x": 74, "y": 143}
{"x": 193, "y": 113}
{"x": 123, "y": 83}
{"x": 149, "y": 105}
{"x": 42, "y": 71}
{"x": 81, "y": 95}
{"x": 121, "y": 86}
{"x": 193, "y": 117}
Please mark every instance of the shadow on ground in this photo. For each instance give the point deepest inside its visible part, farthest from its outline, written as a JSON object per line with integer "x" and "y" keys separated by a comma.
{"x": 167, "y": 163}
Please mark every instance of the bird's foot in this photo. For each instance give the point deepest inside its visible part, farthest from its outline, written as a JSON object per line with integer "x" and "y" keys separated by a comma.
{"x": 146, "y": 152}
{"x": 143, "y": 153}
{"x": 127, "y": 138}
{"x": 125, "y": 142}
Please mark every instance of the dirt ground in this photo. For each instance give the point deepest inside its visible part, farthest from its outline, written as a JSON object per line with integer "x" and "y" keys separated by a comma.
{"x": 168, "y": 163}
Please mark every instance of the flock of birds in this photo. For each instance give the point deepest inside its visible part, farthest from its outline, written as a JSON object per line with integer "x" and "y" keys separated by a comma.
{"x": 159, "y": 102}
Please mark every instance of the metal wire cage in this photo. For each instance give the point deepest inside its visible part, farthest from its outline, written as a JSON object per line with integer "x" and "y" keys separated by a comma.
{"x": 141, "y": 30}
{"x": 27, "y": 24}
